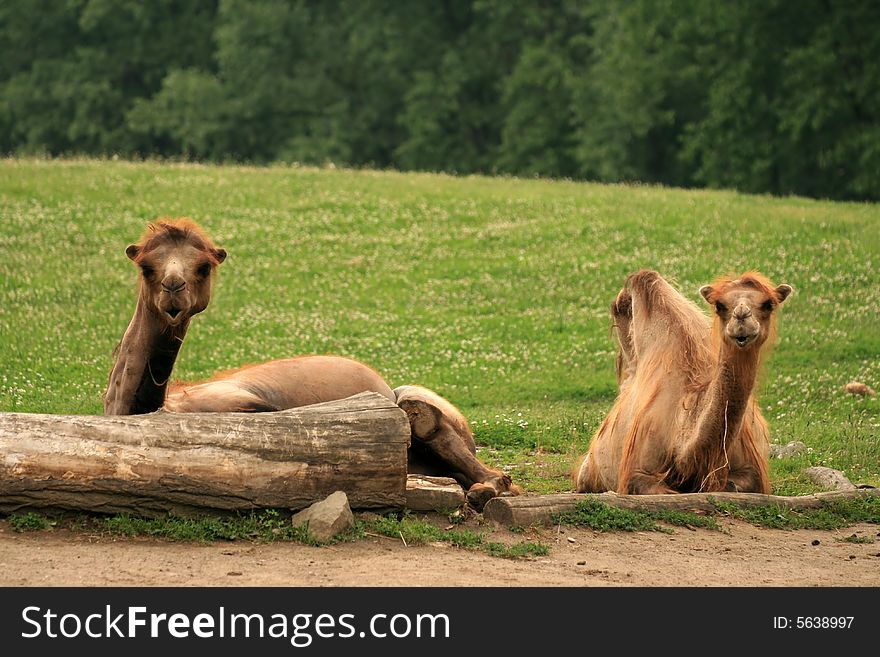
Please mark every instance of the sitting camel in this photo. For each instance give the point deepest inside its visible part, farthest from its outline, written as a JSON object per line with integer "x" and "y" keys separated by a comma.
{"x": 177, "y": 261}
{"x": 686, "y": 419}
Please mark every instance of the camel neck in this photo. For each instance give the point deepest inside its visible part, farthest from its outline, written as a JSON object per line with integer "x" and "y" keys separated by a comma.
{"x": 735, "y": 380}
{"x": 718, "y": 421}
{"x": 728, "y": 395}
{"x": 144, "y": 361}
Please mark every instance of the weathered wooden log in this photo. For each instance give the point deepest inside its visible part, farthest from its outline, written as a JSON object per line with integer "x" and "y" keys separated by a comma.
{"x": 528, "y": 510}
{"x": 191, "y": 463}
{"x": 424, "y": 493}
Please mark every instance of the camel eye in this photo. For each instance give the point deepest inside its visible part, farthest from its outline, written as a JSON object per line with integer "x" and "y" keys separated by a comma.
{"x": 147, "y": 271}
{"x": 204, "y": 269}
{"x": 720, "y": 308}
{"x": 767, "y": 306}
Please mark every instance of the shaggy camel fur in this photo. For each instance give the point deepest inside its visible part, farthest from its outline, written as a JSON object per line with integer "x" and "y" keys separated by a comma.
{"x": 177, "y": 261}
{"x": 686, "y": 419}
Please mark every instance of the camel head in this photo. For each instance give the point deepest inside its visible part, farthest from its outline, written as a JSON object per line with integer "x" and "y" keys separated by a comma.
{"x": 177, "y": 262}
{"x": 745, "y": 308}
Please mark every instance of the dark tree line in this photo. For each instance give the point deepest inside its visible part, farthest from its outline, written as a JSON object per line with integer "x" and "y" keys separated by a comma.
{"x": 778, "y": 96}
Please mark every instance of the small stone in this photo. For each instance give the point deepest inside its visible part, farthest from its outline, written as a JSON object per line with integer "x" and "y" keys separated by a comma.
{"x": 829, "y": 478}
{"x": 571, "y": 540}
{"x": 852, "y": 556}
{"x": 815, "y": 541}
{"x": 327, "y": 518}
{"x": 794, "y": 448}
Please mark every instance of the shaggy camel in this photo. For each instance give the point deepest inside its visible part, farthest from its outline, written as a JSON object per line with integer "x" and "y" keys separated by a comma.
{"x": 177, "y": 262}
{"x": 686, "y": 419}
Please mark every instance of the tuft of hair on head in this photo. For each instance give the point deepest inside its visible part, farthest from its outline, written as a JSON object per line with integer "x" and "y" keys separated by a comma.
{"x": 167, "y": 229}
{"x": 751, "y": 279}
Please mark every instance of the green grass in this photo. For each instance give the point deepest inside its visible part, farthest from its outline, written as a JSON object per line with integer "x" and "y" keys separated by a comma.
{"x": 270, "y": 526}
{"x": 415, "y": 531}
{"x": 834, "y": 515}
{"x": 264, "y": 526}
{"x": 492, "y": 291}
{"x": 860, "y": 540}
{"x": 29, "y": 522}
{"x": 595, "y": 515}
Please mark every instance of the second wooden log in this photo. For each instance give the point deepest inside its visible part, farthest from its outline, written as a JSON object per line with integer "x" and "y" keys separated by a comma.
{"x": 528, "y": 510}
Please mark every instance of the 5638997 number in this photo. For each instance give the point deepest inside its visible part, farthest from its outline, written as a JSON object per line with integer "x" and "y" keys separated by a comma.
{"x": 813, "y": 622}
{"x": 823, "y": 622}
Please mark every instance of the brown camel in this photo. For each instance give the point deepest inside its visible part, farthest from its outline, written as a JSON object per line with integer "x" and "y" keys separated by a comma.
{"x": 177, "y": 261}
{"x": 686, "y": 418}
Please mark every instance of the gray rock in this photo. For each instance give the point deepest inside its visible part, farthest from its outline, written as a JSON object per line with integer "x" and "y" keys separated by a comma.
{"x": 829, "y": 478}
{"x": 794, "y": 448}
{"x": 327, "y": 518}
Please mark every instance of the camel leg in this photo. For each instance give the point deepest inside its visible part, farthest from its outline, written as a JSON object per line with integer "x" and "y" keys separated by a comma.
{"x": 621, "y": 317}
{"x": 434, "y": 431}
{"x": 586, "y": 477}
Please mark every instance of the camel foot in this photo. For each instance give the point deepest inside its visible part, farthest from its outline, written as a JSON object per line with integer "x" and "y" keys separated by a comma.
{"x": 479, "y": 494}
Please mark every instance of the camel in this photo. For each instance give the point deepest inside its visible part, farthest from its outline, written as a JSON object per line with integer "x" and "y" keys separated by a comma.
{"x": 177, "y": 262}
{"x": 686, "y": 418}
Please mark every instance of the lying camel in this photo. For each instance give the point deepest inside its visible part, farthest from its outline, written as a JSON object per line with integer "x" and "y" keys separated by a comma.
{"x": 177, "y": 261}
{"x": 686, "y": 418}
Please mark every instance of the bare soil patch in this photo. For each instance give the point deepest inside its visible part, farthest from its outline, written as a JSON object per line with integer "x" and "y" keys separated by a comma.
{"x": 741, "y": 555}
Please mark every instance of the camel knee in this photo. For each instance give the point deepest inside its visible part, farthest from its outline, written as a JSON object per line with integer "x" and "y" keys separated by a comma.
{"x": 424, "y": 419}
{"x": 585, "y": 476}
{"x": 640, "y": 280}
{"x": 621, "y": 307}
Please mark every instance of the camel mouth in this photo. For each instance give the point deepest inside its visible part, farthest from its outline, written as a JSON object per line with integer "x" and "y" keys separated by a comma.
{"x": 173, "y": 313}
{"x": 743, "y": 341}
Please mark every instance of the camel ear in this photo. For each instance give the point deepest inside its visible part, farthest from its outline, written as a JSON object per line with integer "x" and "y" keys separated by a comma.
{"x": 220, "y": 254}
{"x": 782, "y": 292}
{"x": 132, "y": 251}
{"x": 706, "y": 292}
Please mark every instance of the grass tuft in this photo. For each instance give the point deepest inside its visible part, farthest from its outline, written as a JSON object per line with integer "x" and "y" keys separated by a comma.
{"x": 420, "y": 532}
{"x": 834, "y": 515}
{"x": 263, "y": 526}
{"x": 604, "y": 518}
{"x": 29, "y": 522}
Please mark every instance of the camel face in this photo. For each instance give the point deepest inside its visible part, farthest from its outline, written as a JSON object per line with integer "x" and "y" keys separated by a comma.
{"x": 176, "y": 266}
{"x": 745, "y": 308}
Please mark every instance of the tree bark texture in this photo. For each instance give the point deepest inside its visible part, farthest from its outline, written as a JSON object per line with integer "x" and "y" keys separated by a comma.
{"x": 192, "y": 463}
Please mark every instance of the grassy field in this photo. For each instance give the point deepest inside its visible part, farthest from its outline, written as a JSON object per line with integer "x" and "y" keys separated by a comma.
{"x": 492, "y": 291}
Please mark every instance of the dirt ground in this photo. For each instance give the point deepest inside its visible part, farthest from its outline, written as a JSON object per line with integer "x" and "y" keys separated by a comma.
{"x": 741, "y": 555}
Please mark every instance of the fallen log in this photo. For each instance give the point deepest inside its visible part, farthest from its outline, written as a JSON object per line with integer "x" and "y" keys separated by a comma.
{"x": 528, "y": 510}
{"x": 193, "y": 463}
{"x": 424, "y": 493}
